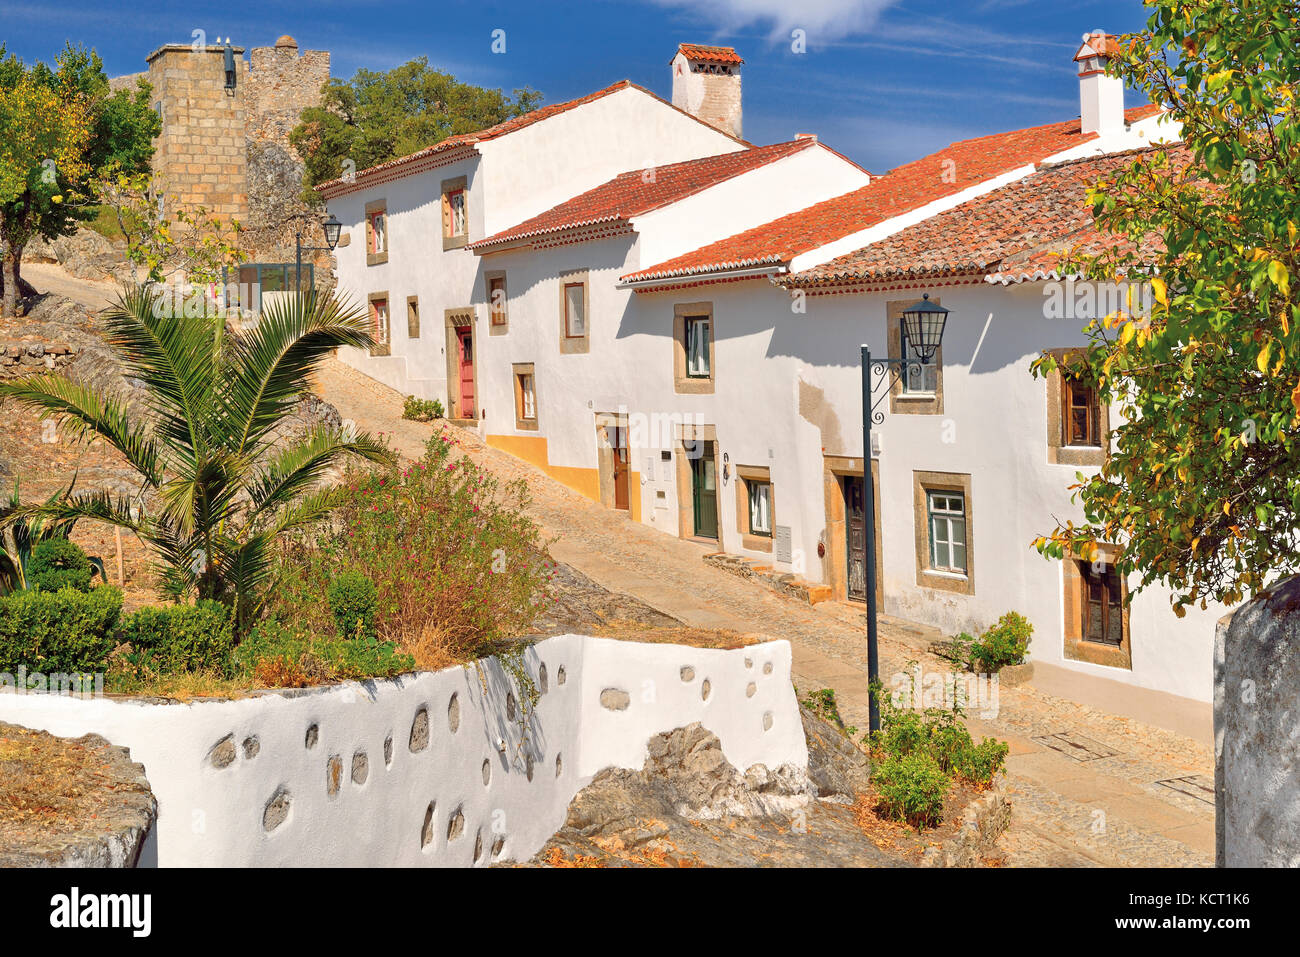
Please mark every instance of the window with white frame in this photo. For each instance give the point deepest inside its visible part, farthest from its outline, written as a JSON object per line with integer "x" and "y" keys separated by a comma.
{"x": 760, "y": 508}
{"x": 947, "y": 520}
{"x": 575, "y": 310}
{"x": 697, "y": 331}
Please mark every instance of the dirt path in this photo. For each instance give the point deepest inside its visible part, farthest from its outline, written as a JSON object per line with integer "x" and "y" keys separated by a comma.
{"x": 1090, "y": 788}
{"x": 52, "y": 278}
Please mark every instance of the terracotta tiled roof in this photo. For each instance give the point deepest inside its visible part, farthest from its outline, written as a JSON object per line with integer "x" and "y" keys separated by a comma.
{"x": 1014, "y": 233}
{"x": 908, "y": 187}
{"x": 640, "y": 191}
{"x": 697, "y": 51}
{"x": 336, "y": 186}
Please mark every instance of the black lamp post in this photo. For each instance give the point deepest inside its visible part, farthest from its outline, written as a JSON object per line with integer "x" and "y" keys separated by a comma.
{"x": 923, "y": 324}
{"x": 331, "y": 227}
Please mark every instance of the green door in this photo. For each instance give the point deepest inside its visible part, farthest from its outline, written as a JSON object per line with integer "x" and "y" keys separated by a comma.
{"x": 704, "y": 489}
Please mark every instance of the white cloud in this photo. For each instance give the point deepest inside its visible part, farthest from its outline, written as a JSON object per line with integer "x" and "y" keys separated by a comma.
{"x": 820, "y": 19}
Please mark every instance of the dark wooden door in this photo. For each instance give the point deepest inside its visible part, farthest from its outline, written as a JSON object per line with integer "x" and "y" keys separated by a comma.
{"x": 704, "y": 491}
{"x": 465, "y": 363}
{"x": 618, "y": 445}
{"x": 856, "y": 538}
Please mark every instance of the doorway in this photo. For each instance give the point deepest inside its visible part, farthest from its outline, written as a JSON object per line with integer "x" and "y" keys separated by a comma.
{"x": 844, "y": 564}
{"x": 465, "y": 372}
{"x": 621, "y": 467}
{"x": 704, "y": 490}
{"x": 855, "y": 517}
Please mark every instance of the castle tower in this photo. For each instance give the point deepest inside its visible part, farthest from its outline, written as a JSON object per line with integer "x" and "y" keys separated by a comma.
{"x": 199, "y": 156}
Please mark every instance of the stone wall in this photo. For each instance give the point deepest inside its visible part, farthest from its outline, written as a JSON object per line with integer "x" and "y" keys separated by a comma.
{"x": 22, "y": 357}
{"x": 428, "y": 769}
{"x": 228, "y": 151}
{"x": 1256, "y": 734}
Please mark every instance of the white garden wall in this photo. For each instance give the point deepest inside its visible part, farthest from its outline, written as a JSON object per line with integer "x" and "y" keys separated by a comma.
{"x": 378, "y": 773}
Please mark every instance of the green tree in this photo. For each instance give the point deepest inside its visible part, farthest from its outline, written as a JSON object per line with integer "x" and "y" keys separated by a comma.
{"x": 1202, "y": 488}
{"x": 62, "y": 128}
{"x": 377, "y": 116}
{"x": 220, "y": 482}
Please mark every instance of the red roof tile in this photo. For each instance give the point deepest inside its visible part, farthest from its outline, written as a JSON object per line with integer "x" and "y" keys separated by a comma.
{"x": 336, "y": 187}
{"x": 1016, "y": 232}
{"x": 908, "y": 187}
{"x": 698, "y": 51}
{"x": 640, "y": 191}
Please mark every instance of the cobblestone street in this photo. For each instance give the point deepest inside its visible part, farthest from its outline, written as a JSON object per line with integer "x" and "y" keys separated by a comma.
{"x": 1089, "y": 788}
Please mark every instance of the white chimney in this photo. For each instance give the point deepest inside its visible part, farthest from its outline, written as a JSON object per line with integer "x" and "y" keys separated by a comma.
{"x": 1101, "y": 97}
{"x": 706, "y": 84}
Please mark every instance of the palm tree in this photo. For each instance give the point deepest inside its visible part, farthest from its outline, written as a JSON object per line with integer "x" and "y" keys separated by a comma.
{"x": 219, "y": 484}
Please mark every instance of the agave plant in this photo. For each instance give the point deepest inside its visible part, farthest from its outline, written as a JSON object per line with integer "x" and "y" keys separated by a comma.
{"x": 219, "y": 483}
{"x": 20, "y": 533}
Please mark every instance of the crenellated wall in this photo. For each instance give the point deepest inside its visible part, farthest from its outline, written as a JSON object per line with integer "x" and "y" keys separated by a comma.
{"x": 432, "y": 768}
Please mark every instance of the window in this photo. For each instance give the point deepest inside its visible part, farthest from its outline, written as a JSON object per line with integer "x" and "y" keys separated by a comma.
{"x": 455, "y": 212}
{"x": 380, "y": 330}
{"x": 918, "y": 377}
{"x": 693, "y": 344}
{"x": 496, "y": 290}
{"x": 760, "y": 508}
{"x": 412, "y": 317}
{"x": 1078, "y": 422}
{"x": 917, "y": 389}
{"x": 1081, "y": 416}
{"x": 376, "y": 232}
{"x": 1102, "y": 602}
{"x": 575, "y": 310}
{"x": 944, "y": 530}
{"x": 1096, "y": 627}
{"x": 754, "y": 507}
{"x": 525, "y": 396}
{"x": 697, "y": 347}
{"x": 947, "y": 514}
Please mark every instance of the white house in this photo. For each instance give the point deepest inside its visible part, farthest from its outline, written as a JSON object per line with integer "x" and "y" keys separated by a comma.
{"x": 681, "y": 341}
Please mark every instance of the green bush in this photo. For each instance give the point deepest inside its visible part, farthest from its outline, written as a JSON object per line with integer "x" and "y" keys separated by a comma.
{"x": 456, "y": 562}
{"x": 59, "y": 631}
{"x": 59, "y": 563}
{"x": 912, "y": 788}
{"x": 422, "y": 410}
{"x": 980, "y": 763}
{"x": 1004, "y": 644}
{"x": 822, "y": 703}
{"x": 353, "y": 598}
{"x": 176, "y": 639}
{"x": 276, "y": 654}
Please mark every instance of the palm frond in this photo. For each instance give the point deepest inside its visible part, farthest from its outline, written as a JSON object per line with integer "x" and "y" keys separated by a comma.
{"x": 271, "y": 363}
{"x": 299, "y": 467}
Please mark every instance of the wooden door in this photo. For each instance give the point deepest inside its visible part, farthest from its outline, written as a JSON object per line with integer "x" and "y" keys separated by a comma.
{"x": 618, "y": 446}
{"x": 856, "y": 537}
{"x": 465, "y": 365}
{"x": 704, "y": 491}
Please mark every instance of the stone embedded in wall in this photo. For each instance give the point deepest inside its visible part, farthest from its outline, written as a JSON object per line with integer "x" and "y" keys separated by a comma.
{"x": 615, "y": 699}
{"x": 419, "y": 731}
{"x": 223, "y": 752}
{"x": 277, "y": 810}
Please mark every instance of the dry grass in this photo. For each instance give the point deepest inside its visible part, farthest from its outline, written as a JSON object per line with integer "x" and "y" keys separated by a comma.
{"x": 430, "y": 646}
{"x": 720, "y": 638}
{"x": 44, "y": 780}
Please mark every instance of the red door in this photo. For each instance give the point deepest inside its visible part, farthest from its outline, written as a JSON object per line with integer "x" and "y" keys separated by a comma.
{"x": 465, "y": 363}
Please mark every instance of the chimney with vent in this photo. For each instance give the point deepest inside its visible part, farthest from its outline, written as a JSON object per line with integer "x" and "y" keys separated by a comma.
{"x": 706, "y": 84}
{"x": 1101, "y": 97}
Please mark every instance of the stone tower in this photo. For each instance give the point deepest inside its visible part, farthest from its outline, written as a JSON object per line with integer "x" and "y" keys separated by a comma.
{"x": 706, "y": 84}
{"x": 199, "y": 157}
{"x": 217, "y": 141}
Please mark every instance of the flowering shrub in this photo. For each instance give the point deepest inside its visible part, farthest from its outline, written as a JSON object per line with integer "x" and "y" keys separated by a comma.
{"x": 422, "y": 410}
{"x": 457, "y": 566}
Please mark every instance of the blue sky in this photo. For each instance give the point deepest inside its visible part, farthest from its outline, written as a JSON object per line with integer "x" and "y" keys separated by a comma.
{"x": 883, "y": 81}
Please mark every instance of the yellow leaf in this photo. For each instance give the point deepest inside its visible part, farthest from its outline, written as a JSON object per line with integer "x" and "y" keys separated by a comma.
{"x": 1261, "y": 362}
{"x": 1277, "y": 272}
{"x": 1158, "y": 287}
{"x": 1295, "y": 398}
{"x": 1126, "y": 334}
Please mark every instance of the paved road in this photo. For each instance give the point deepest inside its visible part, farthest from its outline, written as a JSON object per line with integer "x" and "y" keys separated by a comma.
{"x": 1085, "y": 783}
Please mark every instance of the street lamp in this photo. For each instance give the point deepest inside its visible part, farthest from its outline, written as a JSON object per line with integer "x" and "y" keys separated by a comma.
{"x": 923, "y": 324}
{"x": 331, "y": 228}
